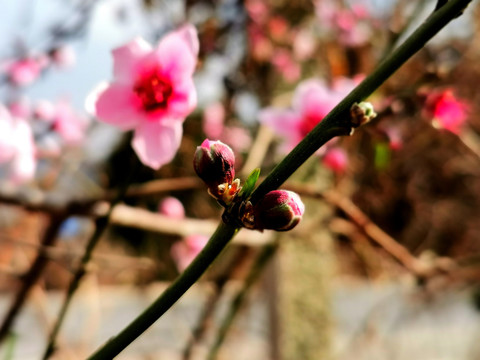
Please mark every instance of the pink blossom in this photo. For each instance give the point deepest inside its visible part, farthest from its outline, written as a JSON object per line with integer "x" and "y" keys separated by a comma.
{"x": 172, "y": 208}
{"x": 352, "y": 26}
{"x": 303, "y": 45}
{"x": 23, "y": 72}
{"x": 336, "y": 159}
{"x": 152, "y": 93}
{"x": 44, "y": 110}
{"x": 20, "y": 108}
{"x": 68, "y": 124}
{"x": 284, "y": 63}
{"x": 17, "y": 147}
{"x": 278, "y": 28}
{"x": 312, "y": 101}
{"x": 183, "y": 252}
{"x": 213, "y": 118}
{"x": 63, "y": 56}
{"x": 447, "y": 112}
{"x": 395, "y": 138}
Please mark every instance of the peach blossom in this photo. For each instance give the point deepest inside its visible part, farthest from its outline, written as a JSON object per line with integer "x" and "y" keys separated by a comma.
{"x": 312, "y": 101}
{"x": 152, "y": 92}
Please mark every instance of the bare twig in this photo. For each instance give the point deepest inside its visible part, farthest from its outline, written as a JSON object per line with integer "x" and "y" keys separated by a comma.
{"x": 34, "y": 273}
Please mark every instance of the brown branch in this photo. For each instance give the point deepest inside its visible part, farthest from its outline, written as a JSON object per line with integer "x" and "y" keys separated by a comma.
{"x": 32, "y": 276}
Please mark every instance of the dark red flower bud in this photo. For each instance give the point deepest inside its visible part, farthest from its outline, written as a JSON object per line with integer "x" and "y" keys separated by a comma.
{"x": 214, "y": 163}
{"x": 279, "y": 210}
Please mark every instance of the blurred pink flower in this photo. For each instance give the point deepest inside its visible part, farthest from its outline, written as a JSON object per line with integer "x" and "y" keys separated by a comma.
{"x": 172, "y": 208}
{"x": 446, "y": 111}
{"x": 152, "y": 93}
{"x": 213, "y": 118}
{"x": 278, "y": 28}
{"x": 285, "y": 65}
{"x": 20, "y": 108}
{"x": 336, "y": 159}
{"x": 237, "y": 137}
{"x": 183, "y": 252}
{"x": 17, "y": 147}
{"x": 312, "y": 100}
{"x": 44, "y": 110}
{"x": 63, "y": 56}
{"x": 303, "y": 45}
{"x": 68, "y": 124}
{"x": 352, "y": 25}
{"x": 24, "y": 72}
{"x": 394, "y": 137}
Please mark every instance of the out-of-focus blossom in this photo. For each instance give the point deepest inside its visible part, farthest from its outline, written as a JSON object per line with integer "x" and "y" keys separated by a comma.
{"x": 24, "y": 72}
{"x": 303, "y": 45}
{"x": 261, "y": 47}
{"x": 446, "y": 111}
{"x": 312, "y": 100}
{"x": 152, "y": 93}
{"x": 68, "y": 124}
{"x": 336, "y": 159}
{"x": 278, "y": 28}
{"x": 394, "y": 138}
{"x": 183, "y": 252}
{"x": 352, "y": 25}
{"x": 172, "y": 208}
{"x": 63, "y": 56}
{"x": 20, "y": 108}
{"x": 44, "y": 110}
{"x": 237, "y": 137}
{"x": 213, "y": 118}
{"x": 257, "y": 10}
{"x": 285, "y": 65}
{"x": 17, "y": 147}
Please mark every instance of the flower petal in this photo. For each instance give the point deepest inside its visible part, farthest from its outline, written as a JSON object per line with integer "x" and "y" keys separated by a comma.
{"x": 115, "y": 105}
{"x": 184, "y": 99}
{"x": 157, "y": 143}
{"x": 178, "y": 51}
{"x": 126, "y": 58}
{"x": 284, "y": 122}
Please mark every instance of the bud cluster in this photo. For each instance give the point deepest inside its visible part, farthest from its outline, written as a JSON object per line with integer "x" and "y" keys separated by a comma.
{"x": 279, "y": 210}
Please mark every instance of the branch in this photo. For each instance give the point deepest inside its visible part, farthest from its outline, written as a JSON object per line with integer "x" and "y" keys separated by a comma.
{"x": 336, "y": 123}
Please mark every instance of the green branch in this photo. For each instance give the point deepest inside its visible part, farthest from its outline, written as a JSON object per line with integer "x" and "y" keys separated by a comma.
{"x": 336, "y": 123}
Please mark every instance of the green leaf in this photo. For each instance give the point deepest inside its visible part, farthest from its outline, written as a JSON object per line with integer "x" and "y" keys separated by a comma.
{"x": 249, "y": 185}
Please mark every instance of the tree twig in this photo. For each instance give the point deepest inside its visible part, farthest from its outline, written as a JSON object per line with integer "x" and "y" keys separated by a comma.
{"x": 336, "y": 123}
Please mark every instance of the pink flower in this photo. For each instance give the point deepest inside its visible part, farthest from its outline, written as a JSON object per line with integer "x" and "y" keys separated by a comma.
{"x": 68, "y": 124}
{"x": 283, "y": 61}
{"x": 183, "y": 252}
{"x": 152, "y": 93}
{"x": 63, "y": 56}
{"x": 213, "y": 119}
{"x": 23, "y": 72}
{"x": 336, "y": 159}
{"x": 20, "y": 108}
{"x": 17, "y": 147}
{"x": 172, "y": 208}
{"x": 447, "y": 112}
{"x": 312, "y": 100}
{"x": 44, "y": 110}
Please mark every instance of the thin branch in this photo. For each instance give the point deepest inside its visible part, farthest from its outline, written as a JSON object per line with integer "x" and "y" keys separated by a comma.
{"x": 255, "y": 271}
{"x": 33, "y": 274}
{"x": 336, "y": 123}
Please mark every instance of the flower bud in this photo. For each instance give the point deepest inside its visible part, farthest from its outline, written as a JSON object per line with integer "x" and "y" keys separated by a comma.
{"x": 214, "y": 164}
{"x": 279, "y": 210}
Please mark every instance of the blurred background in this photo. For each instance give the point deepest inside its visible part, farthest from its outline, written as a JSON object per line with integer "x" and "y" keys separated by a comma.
{"x": 386, "y": 261}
